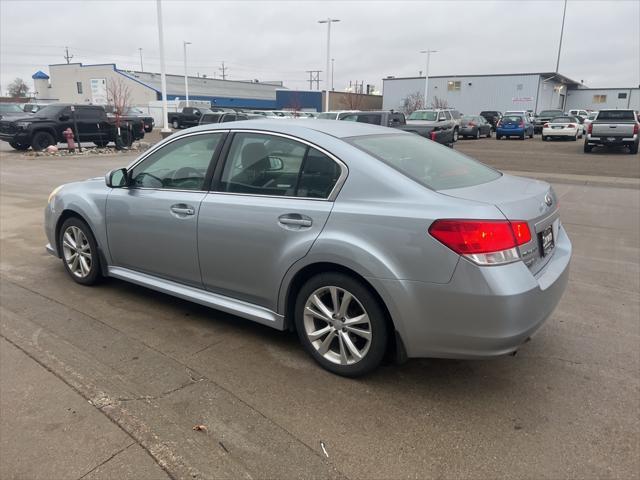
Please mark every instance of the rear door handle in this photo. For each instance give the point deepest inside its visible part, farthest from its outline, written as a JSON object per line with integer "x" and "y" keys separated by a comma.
{"x": 295, "y": 219}
{"x": 182, "y": 209}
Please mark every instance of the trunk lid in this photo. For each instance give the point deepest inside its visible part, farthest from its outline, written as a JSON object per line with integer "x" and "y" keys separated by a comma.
{"x": 524, "y": 199}
{"x": 612, "y": 129}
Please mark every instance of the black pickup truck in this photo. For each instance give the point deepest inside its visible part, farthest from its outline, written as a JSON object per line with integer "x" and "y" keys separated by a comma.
{"x": 222, "y": 117}
{"x": 188, "y": 117}
{"x": 46, "y": 127}
{"x": 133, "y": 113}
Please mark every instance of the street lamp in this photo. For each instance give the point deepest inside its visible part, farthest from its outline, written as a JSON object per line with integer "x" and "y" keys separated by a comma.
{"x": 332, "y": 70}
{"x": 163, "y": 76}
{"x": 328, "y": 21}
{"x": 186, "y": 79}
{"x": 426, "y": 76}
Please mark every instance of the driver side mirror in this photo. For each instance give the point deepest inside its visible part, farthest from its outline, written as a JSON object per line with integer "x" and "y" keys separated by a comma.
{"x": 116, "y": 178}
{"x": 275, "y": 164}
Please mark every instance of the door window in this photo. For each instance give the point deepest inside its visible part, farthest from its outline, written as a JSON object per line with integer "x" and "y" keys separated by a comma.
{"x": 269, "y": 165}
{"x": 180, "y": 165}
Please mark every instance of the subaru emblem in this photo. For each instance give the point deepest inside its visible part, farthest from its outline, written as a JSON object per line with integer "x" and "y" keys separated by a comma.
{"x": 548, "y": 199}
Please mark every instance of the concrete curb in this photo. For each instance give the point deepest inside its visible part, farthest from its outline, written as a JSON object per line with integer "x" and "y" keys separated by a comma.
{"x": 589, "y": 180}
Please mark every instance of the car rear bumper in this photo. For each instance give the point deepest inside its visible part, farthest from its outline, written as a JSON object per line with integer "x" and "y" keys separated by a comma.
{"x": 510, "y": 132}
{"x": 559, "y": 132}
{"x": 482, "y": 312}
{"x": 613, "y": 141}
{"x": 468, "y": 131}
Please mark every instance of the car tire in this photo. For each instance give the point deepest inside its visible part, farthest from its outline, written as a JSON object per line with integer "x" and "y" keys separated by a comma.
{"x": 79, "y": 251}
{"x": 42, "y": 140}
{"x": 489, "y": 133}
{"x": 19, "y": 146}
{"x": 347, "y": 350}
{"x": 148, "y": 129}
{"x": 498, "y": 137}
{"x": 101, "y": 144}
{"x": 477, "y": 137}
{"x": 522, "y": 136}
{"x": 175, "y": 124}
{"x": 455, "y": 135}
{"x": 633, "y": 149}
{"x": 587, "y": 148}
{"x": 544, "y": 138}
{"x": 531, "y": 135}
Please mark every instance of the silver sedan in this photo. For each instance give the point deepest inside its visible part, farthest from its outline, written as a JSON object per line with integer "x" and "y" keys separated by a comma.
{"x": 367, "y": 241}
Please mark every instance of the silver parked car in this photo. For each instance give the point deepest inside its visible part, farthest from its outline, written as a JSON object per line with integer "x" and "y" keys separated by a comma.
{"x": 366, "y": 240}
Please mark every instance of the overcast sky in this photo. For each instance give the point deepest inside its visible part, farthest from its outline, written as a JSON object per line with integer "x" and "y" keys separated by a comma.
{"x": 271, "y": 40}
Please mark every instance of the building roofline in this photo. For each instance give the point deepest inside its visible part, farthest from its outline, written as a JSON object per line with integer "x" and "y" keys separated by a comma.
{"x": 521, "y": 74}
{"x": 610, "y": 88}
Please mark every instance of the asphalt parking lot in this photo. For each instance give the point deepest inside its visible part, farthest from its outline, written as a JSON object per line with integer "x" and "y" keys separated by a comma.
{"x": 109, "y": 381}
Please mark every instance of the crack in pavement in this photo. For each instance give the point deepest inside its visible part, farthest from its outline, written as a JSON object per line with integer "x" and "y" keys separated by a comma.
{"x": 107, "y": 460}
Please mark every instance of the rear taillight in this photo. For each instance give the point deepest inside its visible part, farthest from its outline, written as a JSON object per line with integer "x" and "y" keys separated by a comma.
{"x": 571, "y": 125}
{"x": 433, "y": 135}
{"x": 499, "y": 124}
{"x": 471, "y": 124}
{"x": 521, "y": 124}
{"x": 636, "y": 128}
{"x": 485, "y": 242}
{"x": 590, "y": 128}
{"x": 546, "y": 125}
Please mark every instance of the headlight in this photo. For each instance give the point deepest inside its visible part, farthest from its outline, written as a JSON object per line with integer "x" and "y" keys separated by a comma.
{"x": 53, "y": 193}
{"x": 22, "y": 124}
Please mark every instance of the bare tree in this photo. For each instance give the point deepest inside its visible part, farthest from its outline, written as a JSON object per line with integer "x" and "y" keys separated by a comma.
{"x": 351, "y": 101}
{"x": 294, "y": 104}
{"x": 18, "y": 88}
{"x": 440, "y": 103}
{"x": 119, "y": 97}
{"x": 412, "y": 102}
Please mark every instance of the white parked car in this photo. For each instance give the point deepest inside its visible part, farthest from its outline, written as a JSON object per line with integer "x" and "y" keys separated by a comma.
{"x": 590, "y": 118}
{"x": 562, "y": 127}
{"x": 578, "y": 113}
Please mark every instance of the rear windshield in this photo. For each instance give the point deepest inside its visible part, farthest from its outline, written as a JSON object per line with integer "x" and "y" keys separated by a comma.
{"x": 564, "y": 120}
{"x": 550, "y": 113}
{"x": 428, "y": 116}
{"x": 616, "y": 115}
{"x": 512, "y": 118}
{"x": 426, "y": 162}
{"x": 327, "y": 116}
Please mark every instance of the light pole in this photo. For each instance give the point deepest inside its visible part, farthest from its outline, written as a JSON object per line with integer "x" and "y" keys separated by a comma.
{"x": 564, "y": 13}
{"x": 332, "y": 70}
{"x": 426, "y": 76}
{"x": 163, "y": 76}
{"x": 328, "y": 21}
{"x": 141, "y": 66}
{"x": 186, "y": 78}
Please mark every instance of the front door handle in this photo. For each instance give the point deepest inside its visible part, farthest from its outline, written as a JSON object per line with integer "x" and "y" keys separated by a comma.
{"x": 182, "y": 209}
{"x": 295, "y": 219}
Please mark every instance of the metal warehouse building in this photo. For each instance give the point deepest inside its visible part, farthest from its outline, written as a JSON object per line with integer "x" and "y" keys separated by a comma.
{"x": 78, "y": 83}
{"x": 519, "y": 91}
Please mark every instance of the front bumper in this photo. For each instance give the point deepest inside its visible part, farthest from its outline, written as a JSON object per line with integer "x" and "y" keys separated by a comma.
{"x": 482, "y": 312}
{"x": 18, "y": 137}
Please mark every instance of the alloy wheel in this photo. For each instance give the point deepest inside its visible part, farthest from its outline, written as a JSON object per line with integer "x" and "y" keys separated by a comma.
{"x": 337, "y": 325}
{"x": 77, "y": 251}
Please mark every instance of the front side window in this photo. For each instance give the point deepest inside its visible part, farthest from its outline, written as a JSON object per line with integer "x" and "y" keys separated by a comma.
{"x": 179, "y": 165}
{"x": 432, "y": 165}
{"x": 427, "y": 115}
{"x": 262, "y": 164}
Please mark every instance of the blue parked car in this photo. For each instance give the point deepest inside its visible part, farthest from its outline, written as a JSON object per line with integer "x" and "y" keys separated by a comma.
{"x": 514, "y": 126}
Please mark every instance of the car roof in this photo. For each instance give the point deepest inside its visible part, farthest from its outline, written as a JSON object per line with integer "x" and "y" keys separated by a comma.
{"x": 296, "y": 127}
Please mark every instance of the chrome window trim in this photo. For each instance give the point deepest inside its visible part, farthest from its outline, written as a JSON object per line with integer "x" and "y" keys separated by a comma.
{"x": 344, "y": 170}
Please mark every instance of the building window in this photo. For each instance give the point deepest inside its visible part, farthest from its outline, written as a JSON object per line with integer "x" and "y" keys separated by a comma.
{"x": 599, "y": 99}
{"x": 622, "y": 96}
{"x": 453, "y": 86}
{"x": 79, "y": 86}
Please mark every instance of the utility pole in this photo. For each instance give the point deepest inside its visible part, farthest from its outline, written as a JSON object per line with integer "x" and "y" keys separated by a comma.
{"x": 426, "y": 77}
{"x": 163, "y": 77}
{"x": 223, "y": 69}
{"x": 141, "y": 66}
{"x": 332, "y": 70}
{"x": 564, "y": 13}
{"x": 186, "y": 78}
{"x": 328, "y": 21}
{"x": 67, "y": 57}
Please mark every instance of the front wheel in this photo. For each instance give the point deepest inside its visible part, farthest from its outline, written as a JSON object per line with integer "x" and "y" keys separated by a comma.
{"x": 175, "y": 124}
{"x": 79, "y": 252}
{"x": 19, "y": 146}
{"x": 341, "y": 324}
{"x": 42, "y": 140}
{"x": 455, "y": 134}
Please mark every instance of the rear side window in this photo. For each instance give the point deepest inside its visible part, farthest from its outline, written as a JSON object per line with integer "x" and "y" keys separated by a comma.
{"x": 616, "y": 115}
{"x": 424, "y": 161}
{"x": 373, "y": 118}
{"x": 261, "y": 164}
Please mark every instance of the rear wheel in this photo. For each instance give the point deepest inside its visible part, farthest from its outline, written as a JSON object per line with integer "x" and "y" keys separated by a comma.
{"x": 42, "y": 140}
{"x": 522, "y": 136}
{"x": 19, "y": 146}
{"x": 175, "y": 124}
{"x": 101, "y": 143}
{"x": 477, "y": 134}
{"x": 341, "y": 324}
{"x": 633, "y": 149}
{"x": 587, "y": 148}
{"x": 79, "y": 252}
{"x": 498, "y": 137}
{"x": 489, "y": 133}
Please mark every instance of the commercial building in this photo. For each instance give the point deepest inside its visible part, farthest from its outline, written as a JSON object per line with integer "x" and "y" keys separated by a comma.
{"x": 78, "y": 83}
{"x": 519, "y": 91}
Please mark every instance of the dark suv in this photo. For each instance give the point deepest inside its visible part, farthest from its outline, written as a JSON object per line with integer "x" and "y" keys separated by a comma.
{"x": 384, "y": 118}
{"x": 491, "y": 116}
